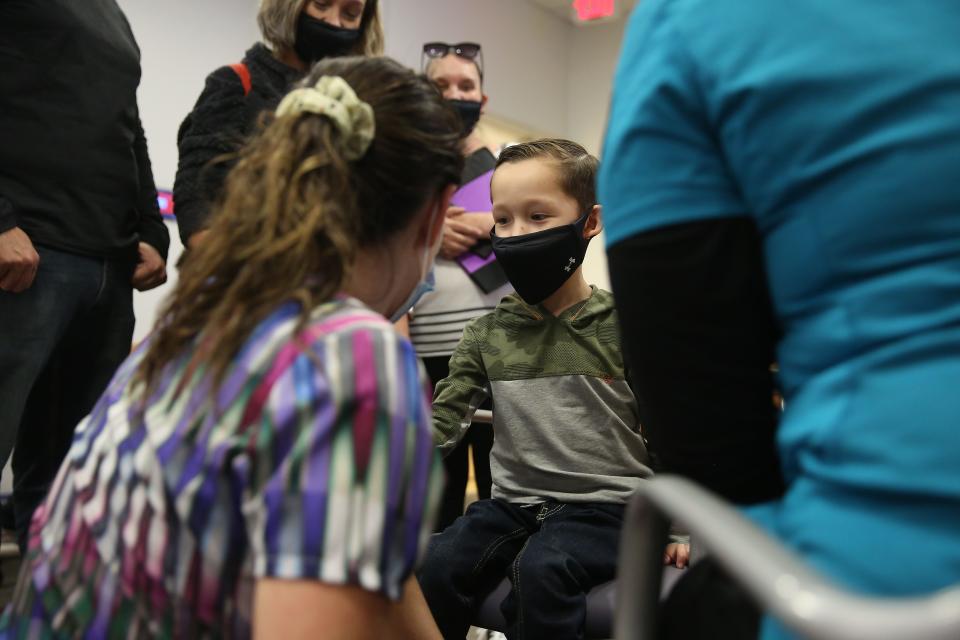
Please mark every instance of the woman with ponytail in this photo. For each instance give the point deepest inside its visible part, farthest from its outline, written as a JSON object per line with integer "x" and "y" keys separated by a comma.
{"x": 263, "y": 464}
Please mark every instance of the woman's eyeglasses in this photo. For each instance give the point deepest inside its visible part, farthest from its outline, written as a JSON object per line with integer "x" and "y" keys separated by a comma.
{"x": 466, "y": 50}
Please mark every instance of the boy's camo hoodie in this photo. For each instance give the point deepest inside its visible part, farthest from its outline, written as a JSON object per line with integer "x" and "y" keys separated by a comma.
{"x": 565, "y": 419}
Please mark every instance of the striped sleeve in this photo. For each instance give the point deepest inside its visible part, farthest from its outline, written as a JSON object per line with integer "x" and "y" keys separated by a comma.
{"x": 346, "y": 476}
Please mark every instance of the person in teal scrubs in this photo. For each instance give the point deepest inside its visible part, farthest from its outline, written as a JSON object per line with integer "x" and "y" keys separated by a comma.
{"x": 781, "y": 183}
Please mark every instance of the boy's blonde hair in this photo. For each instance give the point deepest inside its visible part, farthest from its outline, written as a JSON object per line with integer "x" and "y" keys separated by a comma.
{"x": 577, "y": 168}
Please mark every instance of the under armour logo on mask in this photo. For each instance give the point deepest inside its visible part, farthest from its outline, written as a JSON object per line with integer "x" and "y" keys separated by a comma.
{"x": 570, "y": 264}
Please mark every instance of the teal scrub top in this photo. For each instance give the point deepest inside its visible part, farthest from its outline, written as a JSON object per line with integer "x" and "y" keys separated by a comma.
{"x": 835, "y": 126}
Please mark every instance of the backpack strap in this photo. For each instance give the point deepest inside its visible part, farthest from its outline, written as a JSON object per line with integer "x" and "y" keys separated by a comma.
{"x": 244, "y": 74}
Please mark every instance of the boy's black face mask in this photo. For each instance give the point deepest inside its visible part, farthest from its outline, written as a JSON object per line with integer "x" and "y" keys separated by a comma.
{"x": 317, "y": 40}
{"x": 538, "y": 264}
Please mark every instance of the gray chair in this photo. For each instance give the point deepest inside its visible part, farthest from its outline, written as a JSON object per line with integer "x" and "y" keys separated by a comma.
{"x": 784, "y": 587}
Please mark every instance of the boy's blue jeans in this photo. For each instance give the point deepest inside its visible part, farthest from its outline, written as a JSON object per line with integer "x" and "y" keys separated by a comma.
{"x": 553, "y": 554}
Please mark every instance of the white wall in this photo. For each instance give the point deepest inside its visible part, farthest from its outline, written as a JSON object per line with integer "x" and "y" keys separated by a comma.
{"x": 541, "y": 72}
{"x": 181, "y": 41}
{"x": 590, "y": 81}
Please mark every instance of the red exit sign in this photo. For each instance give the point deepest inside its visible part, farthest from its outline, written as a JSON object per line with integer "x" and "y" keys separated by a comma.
{"x": 593, "y": 9}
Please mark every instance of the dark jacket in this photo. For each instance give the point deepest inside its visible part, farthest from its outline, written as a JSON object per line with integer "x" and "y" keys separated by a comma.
{"x": 74, "y": 169}
{"x": 221, "y": 121}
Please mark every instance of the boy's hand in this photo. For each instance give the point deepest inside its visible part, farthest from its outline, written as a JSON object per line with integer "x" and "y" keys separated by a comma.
{"x": 677, "y": 554}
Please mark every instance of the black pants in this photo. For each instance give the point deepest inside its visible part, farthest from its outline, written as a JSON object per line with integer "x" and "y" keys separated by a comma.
{"x": 707, "y": 605}
{"x": 61, "y": 341}
{"x": 553, "y": 554}
{"x": 479, "y": 440}
{"x": 699, "y": 333}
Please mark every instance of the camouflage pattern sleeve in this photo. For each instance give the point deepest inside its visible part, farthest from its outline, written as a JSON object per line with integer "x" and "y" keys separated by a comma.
{"x": 457, "y": 397}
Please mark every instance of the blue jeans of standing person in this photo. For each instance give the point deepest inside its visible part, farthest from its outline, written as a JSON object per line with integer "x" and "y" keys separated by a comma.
{"x": 61, "y": 341}
{"x": 553, "y": 553}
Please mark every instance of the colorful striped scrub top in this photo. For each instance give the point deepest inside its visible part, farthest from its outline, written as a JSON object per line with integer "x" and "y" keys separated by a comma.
{"x": 313, "y": 460}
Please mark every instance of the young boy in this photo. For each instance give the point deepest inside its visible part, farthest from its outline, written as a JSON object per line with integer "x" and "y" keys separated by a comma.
{"x": 567, "y": 452}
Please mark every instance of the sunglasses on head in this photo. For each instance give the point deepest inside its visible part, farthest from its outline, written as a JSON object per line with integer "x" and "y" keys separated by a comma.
{"x": 467, "y": 50}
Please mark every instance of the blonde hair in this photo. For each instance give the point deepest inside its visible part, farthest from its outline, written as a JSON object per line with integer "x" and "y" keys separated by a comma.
{"x": 278, "y": 25}
{"x": 297, "y": 209}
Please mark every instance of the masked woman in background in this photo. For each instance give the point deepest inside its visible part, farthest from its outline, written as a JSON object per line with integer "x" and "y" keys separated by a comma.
{"x": 299, "y": 33}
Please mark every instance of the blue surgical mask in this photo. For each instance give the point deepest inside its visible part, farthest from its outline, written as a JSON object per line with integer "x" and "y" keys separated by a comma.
{"x": 427, "y": 284}
{"x": 423, "y": 287}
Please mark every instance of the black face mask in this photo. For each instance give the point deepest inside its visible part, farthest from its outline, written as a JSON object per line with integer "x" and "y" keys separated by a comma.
{"x": 538, "y": 264}
{"x": 317, "y": 40}
{"x": 469, "y": 111}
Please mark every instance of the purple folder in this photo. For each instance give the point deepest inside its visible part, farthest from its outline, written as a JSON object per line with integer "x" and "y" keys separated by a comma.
{"x": 475, "y": 196}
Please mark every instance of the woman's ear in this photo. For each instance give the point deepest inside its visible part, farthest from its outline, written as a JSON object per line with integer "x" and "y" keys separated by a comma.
{"x": 594, "y": 224}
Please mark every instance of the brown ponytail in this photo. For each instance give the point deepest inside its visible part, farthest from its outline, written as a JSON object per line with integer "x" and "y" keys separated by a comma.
{"x": 295, "y": 212}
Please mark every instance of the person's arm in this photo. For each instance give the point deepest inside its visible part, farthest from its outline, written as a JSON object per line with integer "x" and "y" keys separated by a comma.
{"x": 296, "y": 610}
{"x": 342, "y": 479}
{"x": 699, "y": 332}
{"x": 458, "y": 396}
{"x": 151, "y": 270}
{"x": 8, "y": 215}
{"x": 215, "y": 128}
{"x": 687, "y": 270}
{"x": 152, "y": 229}
{"x": 402, "y": 326}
